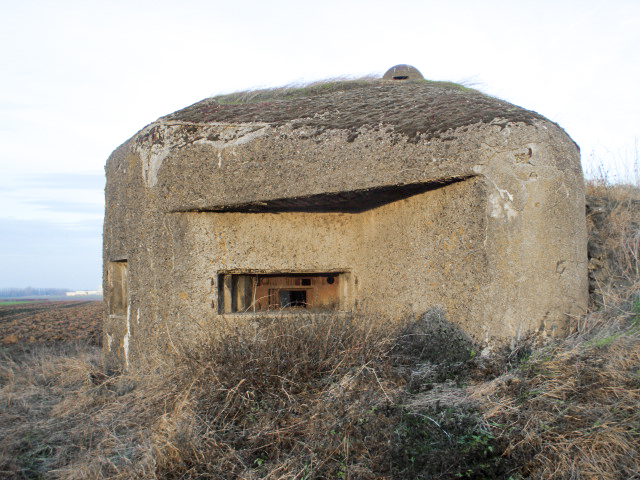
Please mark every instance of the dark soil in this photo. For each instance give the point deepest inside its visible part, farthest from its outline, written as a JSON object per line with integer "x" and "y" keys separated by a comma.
{"x": 47, "y": 322}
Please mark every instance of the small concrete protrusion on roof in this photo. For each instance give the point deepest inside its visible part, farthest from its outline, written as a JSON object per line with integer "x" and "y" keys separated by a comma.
{"x": 403, "y": 72}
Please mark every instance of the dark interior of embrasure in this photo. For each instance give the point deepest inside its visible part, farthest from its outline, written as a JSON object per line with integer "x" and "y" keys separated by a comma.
{"x": 279, "y": 291}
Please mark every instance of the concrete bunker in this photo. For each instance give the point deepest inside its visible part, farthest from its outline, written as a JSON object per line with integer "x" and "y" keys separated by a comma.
{"x": 389, "y": 197}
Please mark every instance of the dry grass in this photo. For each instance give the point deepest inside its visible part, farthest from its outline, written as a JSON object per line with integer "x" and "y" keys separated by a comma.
{"x": 613, "y": 218}
{"x": 291, "y": 398}
{"x": 284, "y": 399}
{"x": 571, "y": 409}
{"x": 329, "y": 85}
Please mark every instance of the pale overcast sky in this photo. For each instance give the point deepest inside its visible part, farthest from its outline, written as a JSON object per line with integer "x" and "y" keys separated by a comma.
{"x": 78, "y": 78}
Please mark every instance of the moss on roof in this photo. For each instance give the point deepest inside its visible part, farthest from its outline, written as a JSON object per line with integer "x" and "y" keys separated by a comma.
{"x": 412, "y": 107}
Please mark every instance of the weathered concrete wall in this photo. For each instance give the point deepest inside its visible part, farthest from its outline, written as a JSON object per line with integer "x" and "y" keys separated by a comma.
{"x": 255, "y": 163}
{"x": 402, "y": 257}
{"x": 502, "y": 252}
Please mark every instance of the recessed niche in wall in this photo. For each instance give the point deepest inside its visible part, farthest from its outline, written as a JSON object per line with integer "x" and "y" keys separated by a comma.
{"x": 118, "y": 298}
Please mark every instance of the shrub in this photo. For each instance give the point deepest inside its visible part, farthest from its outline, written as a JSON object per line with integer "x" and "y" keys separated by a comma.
{"x": 307, "y": 396}
{"x": 444, "y": 442}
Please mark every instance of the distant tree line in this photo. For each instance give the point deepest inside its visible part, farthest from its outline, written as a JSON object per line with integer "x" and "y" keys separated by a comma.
{"x": 31, "y": 292}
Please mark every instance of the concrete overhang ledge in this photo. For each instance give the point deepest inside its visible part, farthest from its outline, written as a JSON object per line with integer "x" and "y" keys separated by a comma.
{"x": 353, "y": 201}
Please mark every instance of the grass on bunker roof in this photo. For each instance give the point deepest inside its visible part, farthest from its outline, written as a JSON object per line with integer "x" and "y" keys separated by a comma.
{"x": 330, "y": 85}
{"x": 340, "y": 397}
{"x": 413, "y": 108}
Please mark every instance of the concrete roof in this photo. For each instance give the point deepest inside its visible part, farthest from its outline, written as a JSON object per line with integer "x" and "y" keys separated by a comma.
{"x": 412, "y": 107}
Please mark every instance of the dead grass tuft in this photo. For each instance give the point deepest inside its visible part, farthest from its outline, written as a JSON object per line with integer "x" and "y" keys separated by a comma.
{"x": 613, "y": 218}
{"x": 571, "y": 410}
{"x": 291, "y": 397}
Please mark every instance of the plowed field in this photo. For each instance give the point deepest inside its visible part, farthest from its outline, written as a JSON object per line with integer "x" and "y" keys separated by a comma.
{"x": 46, "y": 322}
